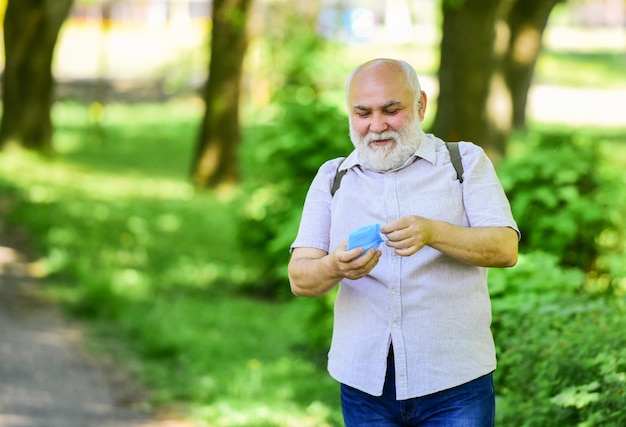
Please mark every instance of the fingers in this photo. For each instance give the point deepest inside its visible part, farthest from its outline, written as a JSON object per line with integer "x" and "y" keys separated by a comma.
{"x": 395, "y": 226}
{"x": 362, "y": 265}
{"x": 344, "y": 255}
{"x": 406, "y": 246}
{"x": 354, "y": 264}
{"x": 407, "y": 235}
{"x": 400, "y": 235}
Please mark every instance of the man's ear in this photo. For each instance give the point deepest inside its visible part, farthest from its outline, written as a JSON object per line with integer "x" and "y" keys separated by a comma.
{"x": 422, "y": 105}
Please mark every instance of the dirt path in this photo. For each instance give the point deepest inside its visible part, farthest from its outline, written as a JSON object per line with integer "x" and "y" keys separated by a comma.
{"x": 47, "y": 379}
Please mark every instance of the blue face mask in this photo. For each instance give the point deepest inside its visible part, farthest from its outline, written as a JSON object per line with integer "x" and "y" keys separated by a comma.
{"x": 366, "y": 237}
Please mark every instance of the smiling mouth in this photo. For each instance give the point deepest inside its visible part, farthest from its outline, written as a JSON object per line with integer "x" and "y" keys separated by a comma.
{"x": 380, "y": 142}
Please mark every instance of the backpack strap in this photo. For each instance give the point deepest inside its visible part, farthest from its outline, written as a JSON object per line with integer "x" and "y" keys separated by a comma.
{"x": 338, "y": 177}
{"x": 455, "y": 157}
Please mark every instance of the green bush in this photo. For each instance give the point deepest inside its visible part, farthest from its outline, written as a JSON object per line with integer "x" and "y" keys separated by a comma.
{"x": 561, "y": 357}
{"x": 563, "y": 364}
{"x": 561, "y": 352}
{"x": 280, "y": 161}
{"x": 536, "y": 281}
{"x": 298, "y": 131}
{"x": 560, "y": 346}
{"x": 556, "y": 193}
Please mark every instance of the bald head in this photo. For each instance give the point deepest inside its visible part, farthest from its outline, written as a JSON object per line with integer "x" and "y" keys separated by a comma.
{"x": 383, "y": 69}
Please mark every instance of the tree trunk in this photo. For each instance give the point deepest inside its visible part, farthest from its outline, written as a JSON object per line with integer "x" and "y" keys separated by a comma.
{"x": 527, "y": 21}
{"x": 215, "y": 161}
{"x": 466, "y": 65}
{"x": 31, "y": 28}
{"x": 488, "y": 54}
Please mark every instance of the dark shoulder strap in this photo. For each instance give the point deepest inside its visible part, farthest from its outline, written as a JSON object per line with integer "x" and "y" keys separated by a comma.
{"x": 338, "y": 177}
{"x": 455, "y": 157}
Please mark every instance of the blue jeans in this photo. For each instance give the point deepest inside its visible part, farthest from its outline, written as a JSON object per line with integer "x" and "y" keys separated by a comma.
{"x": 468, "y": 405}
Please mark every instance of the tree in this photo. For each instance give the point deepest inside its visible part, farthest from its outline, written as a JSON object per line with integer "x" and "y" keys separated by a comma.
{"x": 466, "y": 65}
{"x": 215, "y": 160}
{"x": 31, "y": 29}
{"x": 526, "y": 21}
{"x": 488, "y": 54}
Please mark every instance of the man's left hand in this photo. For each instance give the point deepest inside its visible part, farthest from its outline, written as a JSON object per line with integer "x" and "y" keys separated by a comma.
{"x": 408, "y": 234}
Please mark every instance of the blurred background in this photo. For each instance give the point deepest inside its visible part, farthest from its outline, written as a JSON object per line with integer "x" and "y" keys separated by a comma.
{"x": 157, "y": 154}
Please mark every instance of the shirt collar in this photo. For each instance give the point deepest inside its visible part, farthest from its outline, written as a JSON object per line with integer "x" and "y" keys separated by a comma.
{"x": 425, "y": 150}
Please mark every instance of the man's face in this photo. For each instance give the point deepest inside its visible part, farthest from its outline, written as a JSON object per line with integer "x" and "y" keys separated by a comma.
{"x": 385, "y": 127}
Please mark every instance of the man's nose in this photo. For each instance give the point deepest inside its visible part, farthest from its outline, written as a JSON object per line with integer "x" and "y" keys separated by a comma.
{"x": 378, "y": 123}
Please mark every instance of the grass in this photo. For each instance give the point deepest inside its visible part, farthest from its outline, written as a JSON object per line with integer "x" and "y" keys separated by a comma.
{"x": 234, "y": 360}
{"x": 600, "y": 70}
{"x": 153, "y": 267}
{"x": 124, "y": 140}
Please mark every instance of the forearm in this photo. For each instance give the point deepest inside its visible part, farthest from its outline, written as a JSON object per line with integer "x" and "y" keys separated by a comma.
{"x": 313, "y": 272}
{"x": 311, "y": 277}
{"x": 481, "y": 246}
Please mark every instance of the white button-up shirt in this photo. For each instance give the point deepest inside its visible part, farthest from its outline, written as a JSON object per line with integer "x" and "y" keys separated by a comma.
{"x": 435, "y": 309}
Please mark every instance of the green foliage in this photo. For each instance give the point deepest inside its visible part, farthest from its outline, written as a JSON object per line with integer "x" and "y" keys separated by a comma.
{"x": 280, "y": 160}
{"x": 536, "y": 281}
{"x": 560, "y": 350}
{"x": 124, "y": 232}
{"x": 84, "y": 136}
{"x": 152, "y": 266}
{"x": 317, "y": 316}
{"x": 300, "y": 65}
{"x": 563, "y": 364}
{"x": 281, "y": 156}
{"x": 454, "y": 4}
{"x": 558, "y": 332}
{"x": 556, "y": 196}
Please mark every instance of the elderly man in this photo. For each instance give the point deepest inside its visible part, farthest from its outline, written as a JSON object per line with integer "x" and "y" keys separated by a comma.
{"x": 411, "y": 342}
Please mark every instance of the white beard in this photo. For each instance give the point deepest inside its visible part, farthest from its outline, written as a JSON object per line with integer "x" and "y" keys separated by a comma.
{"x": 390, "y": 156}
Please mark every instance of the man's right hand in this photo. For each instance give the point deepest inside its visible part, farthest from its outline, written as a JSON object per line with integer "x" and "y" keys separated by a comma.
{"x": 354, "y": 264}
{"x": 314, "y": 272}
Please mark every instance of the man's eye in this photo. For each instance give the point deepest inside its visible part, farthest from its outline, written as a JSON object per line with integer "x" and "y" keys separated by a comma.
{"x": 394, "y": 111}
{"x": 362, "y": 114}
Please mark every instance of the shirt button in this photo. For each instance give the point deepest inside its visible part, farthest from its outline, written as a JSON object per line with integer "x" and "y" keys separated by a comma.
{"x": 394, "y": 325}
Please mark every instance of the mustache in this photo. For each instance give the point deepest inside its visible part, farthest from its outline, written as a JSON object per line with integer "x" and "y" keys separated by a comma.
{"x": 371, "y": 136}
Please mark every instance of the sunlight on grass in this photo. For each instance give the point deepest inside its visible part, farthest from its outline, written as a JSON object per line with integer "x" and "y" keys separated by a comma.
{"x": 236, "y": 366}
{"x": 127, "y": 244}
{"x": 46, "y": 179}
{"x": 248, "y": 414}
{"x": 130, "y": 139}
{"x": 599, "y": 70}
